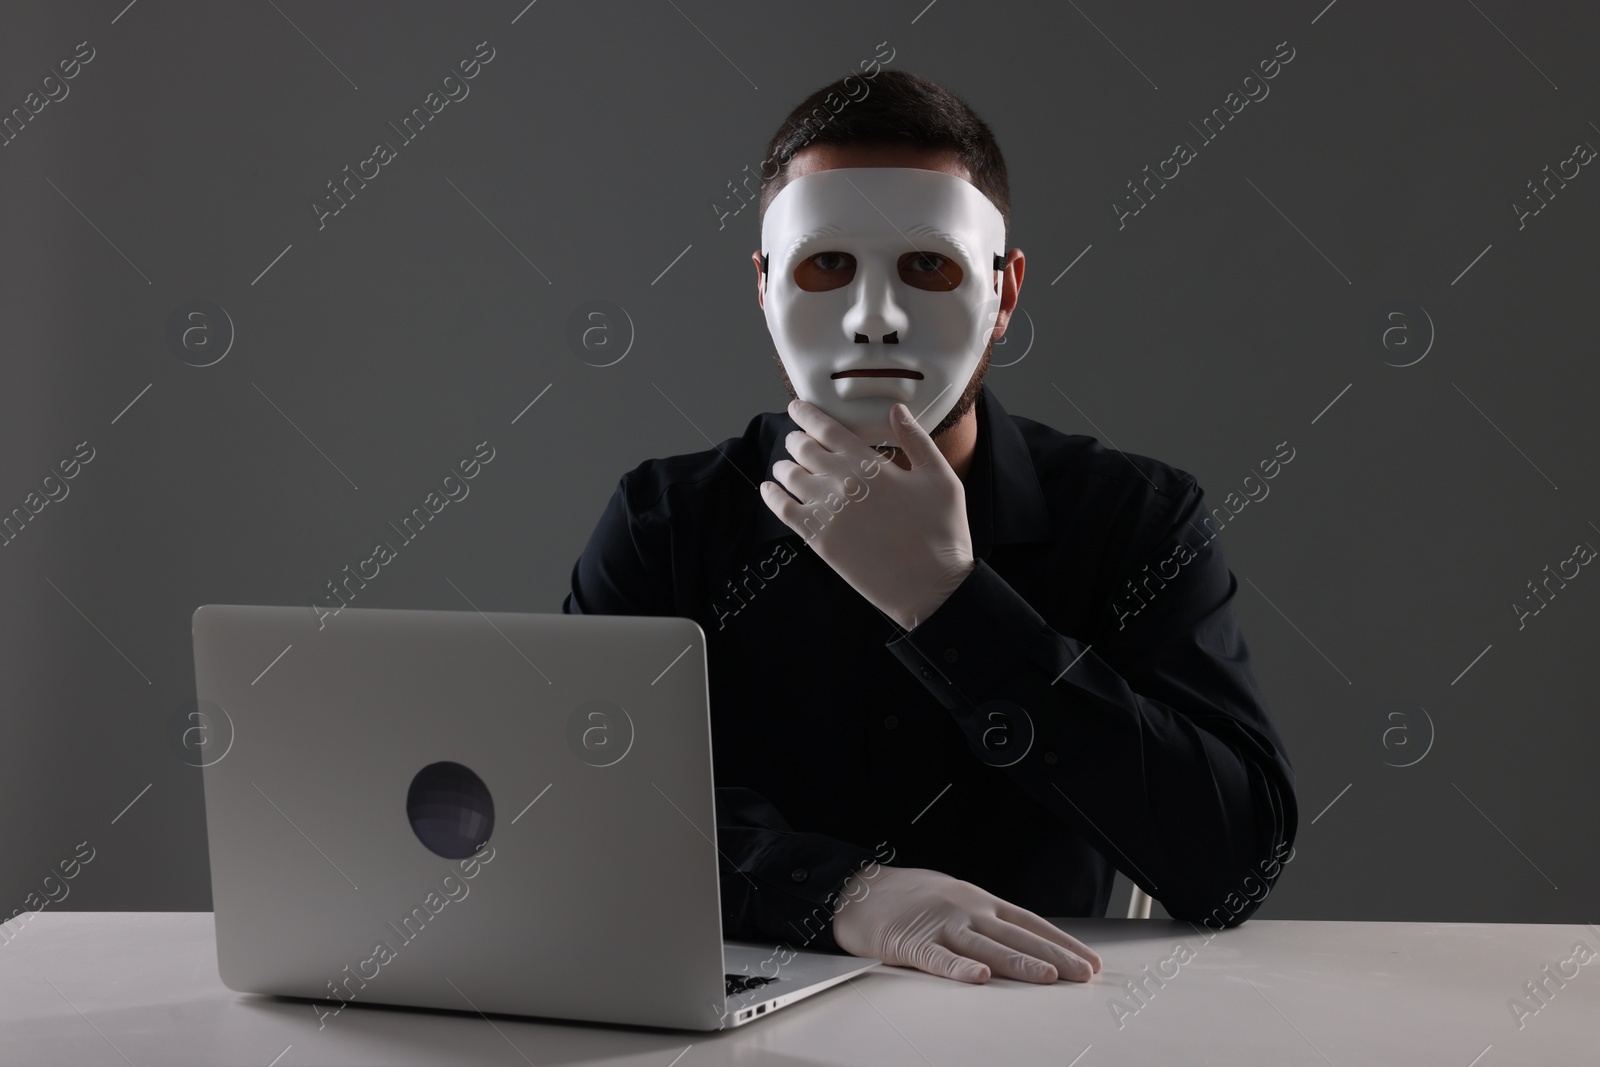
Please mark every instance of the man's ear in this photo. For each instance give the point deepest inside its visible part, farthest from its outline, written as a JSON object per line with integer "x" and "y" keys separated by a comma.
{"x": 1010, "y": 290}
{"x": 756, "y": 257}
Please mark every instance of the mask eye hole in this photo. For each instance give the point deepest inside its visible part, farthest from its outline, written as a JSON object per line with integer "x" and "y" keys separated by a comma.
{"x": 930, "y": 270}
{"x": 825, "y": 270}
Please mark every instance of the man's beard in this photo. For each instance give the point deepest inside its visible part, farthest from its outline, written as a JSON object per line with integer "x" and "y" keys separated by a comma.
{"x": 969, "y": 395}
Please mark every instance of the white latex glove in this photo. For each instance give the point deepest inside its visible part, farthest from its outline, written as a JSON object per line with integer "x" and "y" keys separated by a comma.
{"x": 919, "y": 918}
{"x": 898, "y": 537}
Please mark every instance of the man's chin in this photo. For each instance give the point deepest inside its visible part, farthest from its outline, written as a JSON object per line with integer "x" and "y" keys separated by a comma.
{"x": 866, "y": 417}
{"x": 879, "y": 426}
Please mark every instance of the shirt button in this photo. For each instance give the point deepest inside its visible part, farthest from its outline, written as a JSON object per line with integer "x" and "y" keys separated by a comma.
{"x": 890, "y": 722}
{"x": 949, "y": 655}
{"x": 926, "y": 673}
{"x": 1050, "y": 758}
{"x": 799, "y": 874}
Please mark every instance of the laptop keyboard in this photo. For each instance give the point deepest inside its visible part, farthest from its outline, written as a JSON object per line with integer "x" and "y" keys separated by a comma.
{"x": 740, "y": 983}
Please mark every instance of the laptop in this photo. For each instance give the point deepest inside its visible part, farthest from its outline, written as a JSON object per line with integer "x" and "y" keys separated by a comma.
{"x": 478, "y": 811}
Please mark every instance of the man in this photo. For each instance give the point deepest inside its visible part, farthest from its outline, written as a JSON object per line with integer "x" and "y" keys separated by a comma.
{"x": 1002, "y": 657}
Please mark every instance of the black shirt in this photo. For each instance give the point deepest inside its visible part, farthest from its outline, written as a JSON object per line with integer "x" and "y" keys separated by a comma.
{"x": 1082, "y": 703}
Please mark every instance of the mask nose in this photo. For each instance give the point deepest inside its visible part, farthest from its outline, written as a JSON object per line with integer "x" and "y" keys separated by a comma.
{"x": 875, "y": 317}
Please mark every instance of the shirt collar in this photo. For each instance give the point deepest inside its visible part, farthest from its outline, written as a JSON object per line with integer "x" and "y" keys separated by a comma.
{"x": 1005, "y": 504}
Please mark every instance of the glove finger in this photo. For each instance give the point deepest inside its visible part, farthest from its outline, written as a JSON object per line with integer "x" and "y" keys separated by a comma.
{"x": 1068, "y": 964}
{"x": 1048, "y": 930}
{"x": 1003, "y": 959}
{"x": 936, "y": 959}
{"x": 783, "y": 505}
{"x": 812, "y": 454}
{"x": 914, "y": 440}
{"x": 801, "y": 481}
{"x": 833, "y": 435}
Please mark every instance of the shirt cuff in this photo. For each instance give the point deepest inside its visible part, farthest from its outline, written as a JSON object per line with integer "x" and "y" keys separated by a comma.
{"x": 983, "y": 633}
{"x": 801, "y": 877}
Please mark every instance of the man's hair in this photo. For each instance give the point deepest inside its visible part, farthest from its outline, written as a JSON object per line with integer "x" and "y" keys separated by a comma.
{"x": 900, "y": 108}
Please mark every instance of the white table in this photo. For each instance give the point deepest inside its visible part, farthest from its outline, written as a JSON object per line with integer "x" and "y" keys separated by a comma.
{"x": 142, "y": 988}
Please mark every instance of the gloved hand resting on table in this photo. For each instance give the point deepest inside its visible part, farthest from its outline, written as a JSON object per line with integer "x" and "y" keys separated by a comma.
{"x": 919, "y": 918}
{"x": 899, "y": 537}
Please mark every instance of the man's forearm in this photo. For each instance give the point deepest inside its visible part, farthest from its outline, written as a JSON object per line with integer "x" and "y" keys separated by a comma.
{"x": 778, "y": 884}
{"x": 1186, "y": 800}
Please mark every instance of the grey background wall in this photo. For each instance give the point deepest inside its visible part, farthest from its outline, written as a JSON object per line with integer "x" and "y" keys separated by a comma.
{"x": 1342, "y": 268}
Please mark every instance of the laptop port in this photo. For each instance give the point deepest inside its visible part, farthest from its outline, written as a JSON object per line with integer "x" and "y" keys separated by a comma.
{"x": 761, "y": 1009}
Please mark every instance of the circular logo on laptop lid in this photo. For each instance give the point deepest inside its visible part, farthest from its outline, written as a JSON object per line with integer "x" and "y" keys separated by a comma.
{"x": 450, "y": 809}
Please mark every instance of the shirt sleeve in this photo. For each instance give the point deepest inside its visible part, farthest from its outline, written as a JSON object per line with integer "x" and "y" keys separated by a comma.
{"x": 777, "y": 884}
{"x": 1153, "y": 741}
{"x": 624, "y": 568}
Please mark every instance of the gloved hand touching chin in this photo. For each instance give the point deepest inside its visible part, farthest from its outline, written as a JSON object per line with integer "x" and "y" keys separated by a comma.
{"x": 898, "y": 537}
{"x": 912, "y": 917}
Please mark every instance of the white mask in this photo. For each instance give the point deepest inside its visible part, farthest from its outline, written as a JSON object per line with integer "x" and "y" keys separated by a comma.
{"x": 883, "y": 217}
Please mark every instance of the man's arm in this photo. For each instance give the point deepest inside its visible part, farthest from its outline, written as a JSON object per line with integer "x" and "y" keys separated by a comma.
{"x": 1154, "y": 741}
{"x": 777, "y": 884}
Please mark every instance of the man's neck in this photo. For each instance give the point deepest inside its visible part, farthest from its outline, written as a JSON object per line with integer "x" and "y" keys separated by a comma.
{"x": 958, "y": 445}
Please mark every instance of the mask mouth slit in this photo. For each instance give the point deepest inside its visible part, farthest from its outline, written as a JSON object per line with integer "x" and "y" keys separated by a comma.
{"x": 914, "y": 375}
